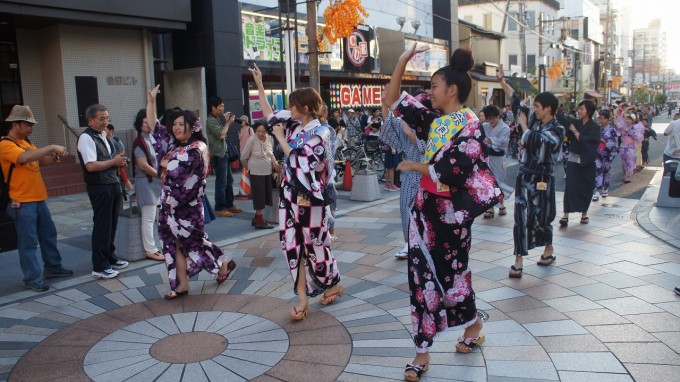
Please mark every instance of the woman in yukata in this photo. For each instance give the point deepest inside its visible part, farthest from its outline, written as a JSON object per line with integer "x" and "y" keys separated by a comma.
{"x": 631, "y": 131}
{"x": 183, "y": 160}
{"x": 456, "y": 186}
{"x": 606, "y": 152}
{"x": 304, "y": 206}
{"x": 584, "y": 136}
{"x": 401, "y": 137}
{"x": 496, "y": 142}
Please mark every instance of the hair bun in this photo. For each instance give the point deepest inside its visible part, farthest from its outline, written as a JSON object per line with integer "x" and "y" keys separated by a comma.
{"x": 462, "y": 60}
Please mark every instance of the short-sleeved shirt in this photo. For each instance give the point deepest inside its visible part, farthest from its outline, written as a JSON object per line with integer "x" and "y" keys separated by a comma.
{"x": 673, "y": 135}
{"x": 27, "y": 183}
{"x": 87, "y": 148}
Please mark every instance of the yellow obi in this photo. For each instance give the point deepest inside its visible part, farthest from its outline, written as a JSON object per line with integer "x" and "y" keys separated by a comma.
{"x": 444, "y": 128}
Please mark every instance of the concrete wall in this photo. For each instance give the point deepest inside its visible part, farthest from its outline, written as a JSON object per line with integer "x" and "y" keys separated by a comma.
{"x": 51, "y": 58}
{"x": 186, "y": 89}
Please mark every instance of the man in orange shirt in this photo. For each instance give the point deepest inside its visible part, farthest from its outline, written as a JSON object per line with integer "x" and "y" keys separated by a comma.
{"x": 27, "y": 205}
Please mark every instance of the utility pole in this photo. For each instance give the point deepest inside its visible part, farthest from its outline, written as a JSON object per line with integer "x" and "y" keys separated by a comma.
{"x": 631, "y": 72}
{"x": 505, "y": 16}
{"x": 522, "y": 38}
{"x": 607, "y": 64}
{"x": 313, "y": 44}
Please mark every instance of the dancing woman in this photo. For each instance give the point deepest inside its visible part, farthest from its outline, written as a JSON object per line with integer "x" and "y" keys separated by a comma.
{"x": 456, "y": 186}
{"x": 183, "y": 159}
{"x": 304, "y": 203}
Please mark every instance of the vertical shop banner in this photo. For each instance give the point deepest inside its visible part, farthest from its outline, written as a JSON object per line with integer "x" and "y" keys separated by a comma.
{"x": 359, "y": 50}
{"x": 344, "y": 96}
{"x": 261, "y": 35}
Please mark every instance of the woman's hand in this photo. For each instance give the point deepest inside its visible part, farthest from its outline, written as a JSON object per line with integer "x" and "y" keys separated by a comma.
{"x": 151, "y": 95}
{"x": 572, "y": 128}
{"x": 522, "y": 120}
{"x": 278, "y": 131}
{"x": 164, "y": 163}
{"x": 500, "y": 74}
{"x": 412, "y": 51}
{"x": 405, "y": 165}
{"x": 257, "y": 74}
{"x": 276, "y": 167}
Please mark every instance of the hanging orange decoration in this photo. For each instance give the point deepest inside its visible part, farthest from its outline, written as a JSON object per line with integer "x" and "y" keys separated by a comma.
{"x": 616, "y": 81}
{"x": 556, "y": 70}
{"x": 342, "y": 16}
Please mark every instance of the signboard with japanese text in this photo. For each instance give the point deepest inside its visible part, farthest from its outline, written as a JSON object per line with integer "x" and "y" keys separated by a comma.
{"x": 354, "y": 95}
{"x": 429, "y": 61}
{"x": 262, "y": 41}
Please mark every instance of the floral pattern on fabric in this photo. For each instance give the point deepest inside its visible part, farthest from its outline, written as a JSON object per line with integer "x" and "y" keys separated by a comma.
{"x": 440, "y": 286}
{"x": 606, "y": 153}
{"x": 181, "y": 215}
{"x": 630, "y": 137}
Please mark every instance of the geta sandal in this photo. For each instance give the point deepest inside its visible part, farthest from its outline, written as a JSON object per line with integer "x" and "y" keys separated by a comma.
{"x": 222, "y": 277}
{"x": 488, "y": 214}
{"x": 173, "y": 295}
{"x": 417, "y": 369}
{"x": 470, "y": 343}
{"x": 585, "y": 220}
{"x": 517, "y": 274}
{"x": 155, "y": 256}
{"x": 543, "y": 258}
{"x": 564, "y": 222}
{"x": 330, "y": 298}
{"x": 502, "y": 211}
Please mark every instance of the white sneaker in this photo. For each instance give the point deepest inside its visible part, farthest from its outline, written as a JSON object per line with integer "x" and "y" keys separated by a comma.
{"x": 596, "y": 196}
{"x": 106, "y": 274}
{"x": 403, "y": 254}
{"x": 120, "y": 264}
{"x": 605, "y": 193}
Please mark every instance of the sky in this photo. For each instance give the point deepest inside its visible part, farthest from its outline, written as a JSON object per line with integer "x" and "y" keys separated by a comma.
{"x": 666, "y": 10}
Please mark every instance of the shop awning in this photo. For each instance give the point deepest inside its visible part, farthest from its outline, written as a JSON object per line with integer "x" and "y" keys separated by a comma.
{"x": 616, "y": 95}
{"x": 520, "y": 84}
{"x": 593, "y": 93}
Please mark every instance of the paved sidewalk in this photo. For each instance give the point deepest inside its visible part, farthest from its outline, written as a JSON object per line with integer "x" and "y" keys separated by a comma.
{"x": 604, "y": 312}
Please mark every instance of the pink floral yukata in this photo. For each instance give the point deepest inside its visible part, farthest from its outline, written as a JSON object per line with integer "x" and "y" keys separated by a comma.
{"x": 460, "y": 187}
{"x": 181, "y": 216}
{"x": 304, "y": 203}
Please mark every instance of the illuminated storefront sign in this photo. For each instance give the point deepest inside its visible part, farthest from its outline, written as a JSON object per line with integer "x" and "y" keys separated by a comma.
{"x": 354, "y": 95}
{"x": 430, "y": 60}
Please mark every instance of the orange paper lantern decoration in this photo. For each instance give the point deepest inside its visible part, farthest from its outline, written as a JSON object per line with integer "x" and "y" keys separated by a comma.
{"x": 342, "y": 16}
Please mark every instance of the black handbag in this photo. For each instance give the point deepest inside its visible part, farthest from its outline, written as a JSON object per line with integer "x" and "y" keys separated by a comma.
{"x": 232, "y": 152}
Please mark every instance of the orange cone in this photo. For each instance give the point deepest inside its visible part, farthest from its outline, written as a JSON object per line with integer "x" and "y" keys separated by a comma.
{"x": 244, "y": 189}
{"x": 347, "y": 179}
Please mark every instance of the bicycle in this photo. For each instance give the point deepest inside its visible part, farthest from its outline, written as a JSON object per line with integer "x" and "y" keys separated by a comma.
{"x": 366, "y": 155}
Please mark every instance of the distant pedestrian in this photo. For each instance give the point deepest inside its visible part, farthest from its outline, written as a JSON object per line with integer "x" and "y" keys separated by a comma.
{"x": 672, "y": 149}
{"x": 27, "y": 207}
{"x": 258, "y": 156}
{"x": 631, "y": 131}
{"x": 607, "y": 150}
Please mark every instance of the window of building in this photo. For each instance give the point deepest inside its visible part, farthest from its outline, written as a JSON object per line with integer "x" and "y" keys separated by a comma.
{"x": 468, "y": 18}
{"x": 531, "y": 62}
{"x": 512, "y": 25}
{"x": 531, "y": 19}
{"x": 574, "y": 34}
{"x": 487, "y": 21}
{"x": 512, "y": 60}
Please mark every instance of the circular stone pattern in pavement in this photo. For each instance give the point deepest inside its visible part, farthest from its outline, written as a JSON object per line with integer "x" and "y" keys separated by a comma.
{"x": 225, "y": 345}
{"x": 203, "y": 345}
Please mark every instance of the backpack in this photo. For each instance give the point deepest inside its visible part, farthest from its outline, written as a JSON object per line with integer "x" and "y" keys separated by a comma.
{"x": 4, "y": 185}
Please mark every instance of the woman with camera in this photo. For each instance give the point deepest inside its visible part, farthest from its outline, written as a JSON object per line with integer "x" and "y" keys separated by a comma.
{"x": 304, "y": 202}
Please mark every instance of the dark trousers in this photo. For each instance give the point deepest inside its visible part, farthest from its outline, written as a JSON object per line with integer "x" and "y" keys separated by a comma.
{"x": 105, "y": 200}
{"x": 645, "y": 152}
{"x": 224, "y": 183}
